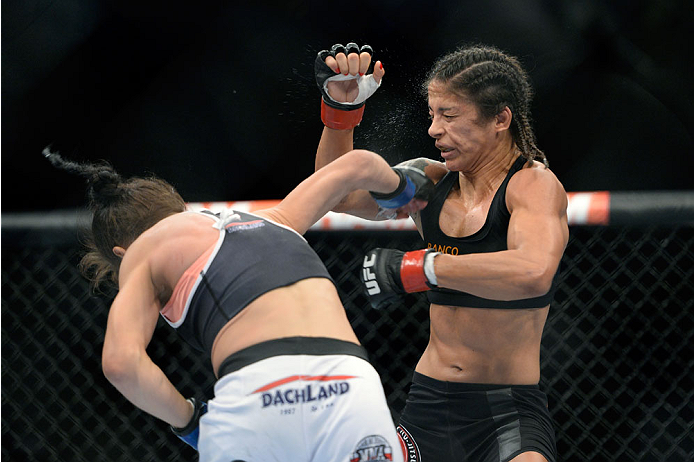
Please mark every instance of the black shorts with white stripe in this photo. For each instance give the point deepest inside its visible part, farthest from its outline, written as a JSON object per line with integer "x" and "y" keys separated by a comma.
{"x": 458, "y": 422}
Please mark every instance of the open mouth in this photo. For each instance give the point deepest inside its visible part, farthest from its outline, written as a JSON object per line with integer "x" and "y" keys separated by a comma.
{"x": 445, "y": 152}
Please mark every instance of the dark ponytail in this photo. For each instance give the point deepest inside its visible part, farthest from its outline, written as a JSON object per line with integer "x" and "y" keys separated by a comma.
{"x": 102, "y": 180}
{"x": 122, "y": 210}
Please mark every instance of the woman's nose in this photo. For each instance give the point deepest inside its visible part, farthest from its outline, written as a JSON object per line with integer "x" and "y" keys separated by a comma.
{"x": 435, "y": 129}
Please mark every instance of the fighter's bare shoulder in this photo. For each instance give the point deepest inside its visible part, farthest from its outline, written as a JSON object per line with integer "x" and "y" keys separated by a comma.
{"x": 171, "y": 245}
{"x": 431, "y": 168}
{"x": 536, "y": 183}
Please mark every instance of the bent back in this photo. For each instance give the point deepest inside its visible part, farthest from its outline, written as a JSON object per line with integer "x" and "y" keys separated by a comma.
{"x": 308, "y": 308}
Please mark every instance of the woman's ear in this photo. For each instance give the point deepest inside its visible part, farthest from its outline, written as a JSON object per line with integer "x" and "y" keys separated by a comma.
{"x": 118, "y": 251}
{"x": 503, "y": 119}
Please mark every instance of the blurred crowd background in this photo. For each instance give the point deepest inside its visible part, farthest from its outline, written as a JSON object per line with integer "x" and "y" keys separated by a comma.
{"x": 219, "y": 98}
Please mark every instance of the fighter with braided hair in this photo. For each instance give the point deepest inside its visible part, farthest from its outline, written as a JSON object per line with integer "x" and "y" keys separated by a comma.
{"x": 249, "y": 293}
{"x": 494, "y": 234}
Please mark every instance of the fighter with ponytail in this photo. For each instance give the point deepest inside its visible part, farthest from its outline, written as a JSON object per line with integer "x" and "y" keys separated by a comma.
{"x": 199, "y": 271}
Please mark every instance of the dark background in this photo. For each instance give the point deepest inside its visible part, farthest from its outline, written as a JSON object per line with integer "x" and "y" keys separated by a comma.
{"x": 220, "y": 99}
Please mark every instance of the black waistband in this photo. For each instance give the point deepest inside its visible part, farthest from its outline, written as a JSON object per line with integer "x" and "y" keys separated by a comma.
{"x": 313, "y": 346}
{"x": 458, "y": 387}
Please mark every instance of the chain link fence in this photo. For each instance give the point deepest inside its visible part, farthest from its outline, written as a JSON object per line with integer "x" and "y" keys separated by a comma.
{"x": 617, "y": 353}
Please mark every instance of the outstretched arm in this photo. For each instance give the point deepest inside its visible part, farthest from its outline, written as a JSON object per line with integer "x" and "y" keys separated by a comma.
{"x": 358, "y": 169}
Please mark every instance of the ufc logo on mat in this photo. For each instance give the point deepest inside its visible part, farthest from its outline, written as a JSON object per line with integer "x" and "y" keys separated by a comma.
{"x": 369, "y": 276}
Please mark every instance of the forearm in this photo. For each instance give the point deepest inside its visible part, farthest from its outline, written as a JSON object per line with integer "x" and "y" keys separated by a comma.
{"x": 505, "y": 275}
{"x": 145, "y": 385}
{"x": 355, "y": 172}
{"x": 332, "y": 145}
{"x": 325, "y": 189}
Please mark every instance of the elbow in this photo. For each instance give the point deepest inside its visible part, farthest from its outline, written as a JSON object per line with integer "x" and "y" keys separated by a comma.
{"x": 359, "y": 162}
{"x": 537, "y": 282}
{"x": 118, "y": 365}
{"x": 355, "y": 174}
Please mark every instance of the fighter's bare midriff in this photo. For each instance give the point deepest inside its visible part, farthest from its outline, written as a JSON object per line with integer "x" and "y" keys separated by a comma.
{"x": 479, "y": 345}
{"x": 308, "y": 308}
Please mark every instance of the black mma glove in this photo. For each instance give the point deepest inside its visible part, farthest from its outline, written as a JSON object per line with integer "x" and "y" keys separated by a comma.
{"x": 414, "y": 184}
{"x": 191, "y": 432}
{"x": 335, "y": 114}
{"x": 388, "y": 273}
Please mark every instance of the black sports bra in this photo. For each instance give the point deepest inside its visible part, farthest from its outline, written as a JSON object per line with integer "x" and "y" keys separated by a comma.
{"x": 492, "y": 237}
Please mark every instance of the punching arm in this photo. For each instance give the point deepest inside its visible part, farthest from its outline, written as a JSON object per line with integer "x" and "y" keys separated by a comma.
{"x": 358, "y": 169}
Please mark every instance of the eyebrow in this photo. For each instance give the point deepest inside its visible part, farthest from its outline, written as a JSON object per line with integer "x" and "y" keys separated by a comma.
{"x": 442, "y": 109}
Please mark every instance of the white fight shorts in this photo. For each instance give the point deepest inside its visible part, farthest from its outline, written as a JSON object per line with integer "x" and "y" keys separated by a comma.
{"x": 299, "y": 399}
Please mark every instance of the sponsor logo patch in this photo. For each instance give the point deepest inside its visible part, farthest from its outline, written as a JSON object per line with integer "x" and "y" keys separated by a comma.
{"x": 310, "y": 388}
{"x": 369, "y": 276}
{"x": 372, "y": 448}
{"x": 409, "y": 446}
{"x": 450, "y": 250}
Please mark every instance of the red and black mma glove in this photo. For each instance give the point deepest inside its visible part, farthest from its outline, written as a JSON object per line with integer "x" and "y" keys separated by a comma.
{"x": 342, "y": 115}
{"x": 191, "y": 432}
{"x": 387, "y": 274}
{"x": 414, "y": 184}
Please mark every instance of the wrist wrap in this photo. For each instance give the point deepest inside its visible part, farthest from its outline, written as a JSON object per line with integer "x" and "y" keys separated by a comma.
{"x": 190, "y": 433}
{"x": 340, "y": 119}
{"x": 401, "y": 196}
{"x": 412, "y": 271}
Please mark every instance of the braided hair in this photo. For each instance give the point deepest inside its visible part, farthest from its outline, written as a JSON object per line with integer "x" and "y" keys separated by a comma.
{"x": 491, "y": 80}
{"x": 122, "y": 210}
